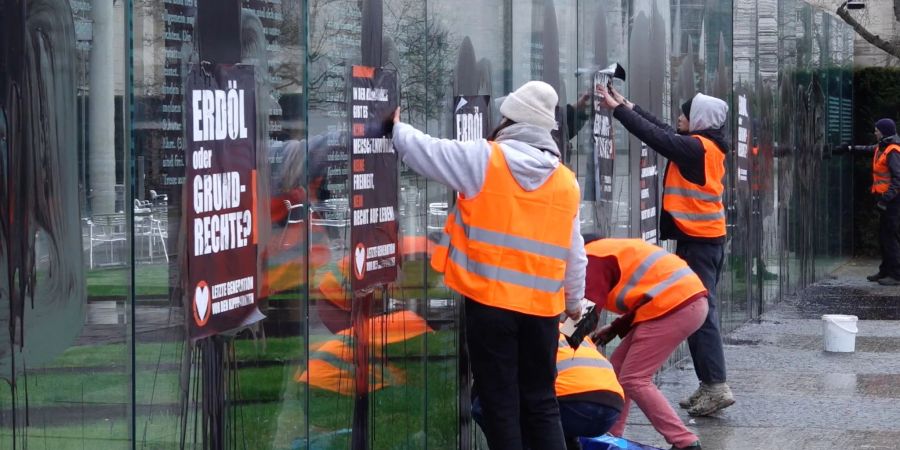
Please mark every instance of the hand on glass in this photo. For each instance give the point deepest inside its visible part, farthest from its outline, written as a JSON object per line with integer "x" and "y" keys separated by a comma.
{"x": 620, "y": 98}
{"x": 606, "y": 97}
{"x": 583, "y": 102}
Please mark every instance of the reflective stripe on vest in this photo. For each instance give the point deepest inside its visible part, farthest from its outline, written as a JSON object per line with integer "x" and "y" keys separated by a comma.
{"x": 505, "y": 247}
{"x": 694, "y": 194}
{"x": 668, "y": 282}
{"x": 637, "y": 275}
{"x": 330, "y": 280}
{"x": 584, "y": 362}
{"x": 646, "y": 272}
{"x": 509, "y": 241}
{"x": 505, "y": 275}
{"x": 583, "y": 370}
{"x": 329, "y": 370}
{"x": 881, "y": 172}
{"x": 501, "y": 240}
{"x": 698, "y": 210}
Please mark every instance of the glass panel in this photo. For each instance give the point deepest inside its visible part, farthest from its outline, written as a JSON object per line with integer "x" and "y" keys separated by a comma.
{"x": 604, "y": 32}
{"x": 763, "y": 176}
{"x": 322, "y": 368}
{"x": 249, "y": 379}
{"x": 65, "y": 239}
{"x": 467, "y": 50}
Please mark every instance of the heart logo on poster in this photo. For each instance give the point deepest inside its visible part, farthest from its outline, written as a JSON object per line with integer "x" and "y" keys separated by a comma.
{"x": 359, "y": 258}
{"x": 201, "y": 303}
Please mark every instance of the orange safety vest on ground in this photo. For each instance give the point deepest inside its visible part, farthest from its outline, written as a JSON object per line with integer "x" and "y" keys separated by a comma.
{"x": 698, "y": 211}
{"x": 881, "y": 173}
{"x": 331, "y": 281}
{"x": 507, "y": 247}
{"x": 647, "y": 271}
{"x": 330, "y": 367}
{"x": 330, "y": 364}
{"x": 584, "y": 370}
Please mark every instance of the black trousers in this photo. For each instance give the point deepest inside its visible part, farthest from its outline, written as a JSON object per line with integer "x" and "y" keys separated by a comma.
{"x": 706, "y": 343}
{"x": 888, "y": 229}
{"x": 513, "y": 359}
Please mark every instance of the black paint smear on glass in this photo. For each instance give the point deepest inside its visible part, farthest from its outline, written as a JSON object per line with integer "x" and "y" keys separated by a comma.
{"x": 40, "y": 232}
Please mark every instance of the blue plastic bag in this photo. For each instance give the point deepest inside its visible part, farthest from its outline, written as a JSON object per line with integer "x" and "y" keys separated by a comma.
{"x": 609, "y": 442}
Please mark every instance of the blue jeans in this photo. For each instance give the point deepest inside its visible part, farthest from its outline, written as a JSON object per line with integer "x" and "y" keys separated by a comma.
{"x": 579, "y": 418}
{"x": 706, "y": 343}
{"x": 586, "y": 419}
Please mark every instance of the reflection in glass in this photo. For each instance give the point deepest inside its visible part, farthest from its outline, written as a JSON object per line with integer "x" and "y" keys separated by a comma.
{"x": 92, "y": 153}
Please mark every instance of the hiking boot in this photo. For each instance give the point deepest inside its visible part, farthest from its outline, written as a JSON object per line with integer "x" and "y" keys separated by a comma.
{"x": 876, "y": 277}
{"x": 688, "y": 402}
{"x": 694, "y": 446}
{"x": 889, "y": 281}
{"x": 714, "y": 398}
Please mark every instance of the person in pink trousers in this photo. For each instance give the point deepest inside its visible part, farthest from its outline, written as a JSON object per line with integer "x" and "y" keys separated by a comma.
{"x": 661, "y": 302}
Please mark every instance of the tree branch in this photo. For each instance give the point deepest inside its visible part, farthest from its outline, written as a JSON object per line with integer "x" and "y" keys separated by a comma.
{"x": 891, "y": 48}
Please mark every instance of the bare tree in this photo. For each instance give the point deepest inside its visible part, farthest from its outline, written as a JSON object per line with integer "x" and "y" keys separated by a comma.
{"x": 891, "y": 47}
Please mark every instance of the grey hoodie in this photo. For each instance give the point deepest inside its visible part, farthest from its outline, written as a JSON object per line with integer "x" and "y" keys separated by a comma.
{"x": 707, "y": 113}
{"x": 462, "y": 166}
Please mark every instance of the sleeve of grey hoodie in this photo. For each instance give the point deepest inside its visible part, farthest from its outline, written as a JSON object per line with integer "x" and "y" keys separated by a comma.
{"x": 576, "y": 266}
{"x": 457, "y": 164}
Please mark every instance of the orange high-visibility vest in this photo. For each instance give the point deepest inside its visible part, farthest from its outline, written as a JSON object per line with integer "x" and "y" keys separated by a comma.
{"x": 583, "y": 370}
{"x": 698, "y": 210}
{"x": 507, "y": 247}
{"x": 330, "y": 364}
{"x": 881, "y": 173}
{"x": 330, "y": 367}
{"x": 647, "y": 271}
{"x": 331, "y": 281}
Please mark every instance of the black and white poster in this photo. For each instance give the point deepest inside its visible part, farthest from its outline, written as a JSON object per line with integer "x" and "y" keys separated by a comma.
{"x": 743, "y": 141}
{"x": 604, "y": 155}
{"x": 220, "y": 206}
{"x": 375, "y": 175}
{"x": 649, "y": 194}
{"x": 471, "y": 117}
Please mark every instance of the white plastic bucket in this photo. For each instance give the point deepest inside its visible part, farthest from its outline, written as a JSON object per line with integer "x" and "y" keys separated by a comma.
{"x": 840, "y": 332}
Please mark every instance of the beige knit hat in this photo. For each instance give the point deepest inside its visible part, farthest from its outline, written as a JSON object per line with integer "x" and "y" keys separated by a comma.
{"x": 533, "y": 103}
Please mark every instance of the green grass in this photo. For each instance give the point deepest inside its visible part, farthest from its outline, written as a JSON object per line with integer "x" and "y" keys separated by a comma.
{"x": 275, "y": 413}
{"x": 150, "y": 281}
{"x": 275, "y": 410}
{"x": 153, "y": 281}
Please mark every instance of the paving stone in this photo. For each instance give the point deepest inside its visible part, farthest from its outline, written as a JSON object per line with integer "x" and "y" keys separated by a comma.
{"x": 790, "y": 393}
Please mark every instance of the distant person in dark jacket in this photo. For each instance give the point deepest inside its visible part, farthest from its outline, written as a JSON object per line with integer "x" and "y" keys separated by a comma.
{"x": 885, "y": 188}
{"x": 693, "y": 214}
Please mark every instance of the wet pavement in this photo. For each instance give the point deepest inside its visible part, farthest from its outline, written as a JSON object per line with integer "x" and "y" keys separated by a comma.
{"x": 790, "y": 393}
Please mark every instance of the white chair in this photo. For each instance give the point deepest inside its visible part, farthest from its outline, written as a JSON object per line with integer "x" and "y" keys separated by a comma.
{"x": 158, "y": 199}
{"x": 334, "y": 213}
{"x": 294, "y": 217}
{"x": 141, "y": 206}
{"x": 106, "y": 229}
{"x": 157, "y": 230}
{"x": 151, "y": 229}
{"x": 437, "y": 216}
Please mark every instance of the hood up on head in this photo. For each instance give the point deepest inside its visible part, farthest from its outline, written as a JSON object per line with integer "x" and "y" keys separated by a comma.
{"x": 707, "y": 113}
